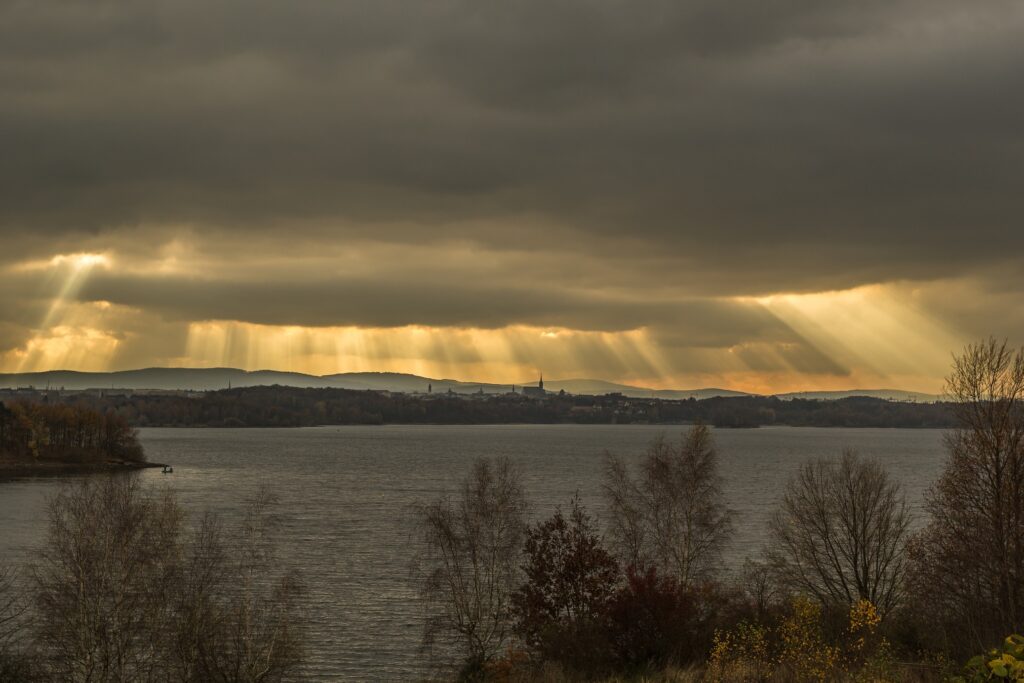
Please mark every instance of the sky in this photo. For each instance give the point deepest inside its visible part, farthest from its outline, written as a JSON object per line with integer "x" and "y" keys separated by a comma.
{"x": 758, "y": 195}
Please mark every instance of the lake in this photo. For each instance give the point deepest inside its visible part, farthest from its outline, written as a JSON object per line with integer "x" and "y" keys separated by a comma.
{"x": 346, "y": 494}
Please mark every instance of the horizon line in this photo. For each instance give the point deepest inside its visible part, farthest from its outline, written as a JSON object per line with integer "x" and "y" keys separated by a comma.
{"x": 470, "y": 382}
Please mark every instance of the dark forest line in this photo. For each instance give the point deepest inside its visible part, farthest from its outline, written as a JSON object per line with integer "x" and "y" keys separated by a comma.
{"x": 41, "y": 438}
{"x": 281, "y": 406}
{"x": 66, "y": 432}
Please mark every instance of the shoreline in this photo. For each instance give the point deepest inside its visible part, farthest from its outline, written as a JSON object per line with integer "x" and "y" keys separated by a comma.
{"x": 14, "y": 469}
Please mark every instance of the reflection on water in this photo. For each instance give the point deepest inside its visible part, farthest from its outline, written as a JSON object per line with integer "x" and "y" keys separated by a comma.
{"x": 346, "y": 494}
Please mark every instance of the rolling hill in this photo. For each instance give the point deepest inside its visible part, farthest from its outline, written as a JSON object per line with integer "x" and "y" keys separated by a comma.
{"x": 212, "y": 379}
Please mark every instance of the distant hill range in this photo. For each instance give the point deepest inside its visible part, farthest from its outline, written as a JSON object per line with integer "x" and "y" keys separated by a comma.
{"x": 888, "y": 394}
{"x": 212, "y": 379}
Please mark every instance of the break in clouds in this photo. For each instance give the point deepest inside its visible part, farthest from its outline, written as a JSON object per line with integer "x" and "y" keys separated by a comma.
{"x": 750, "y": 194}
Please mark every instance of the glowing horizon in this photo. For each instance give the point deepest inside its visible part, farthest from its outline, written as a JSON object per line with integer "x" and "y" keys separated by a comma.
{"x": 868, "y": 337}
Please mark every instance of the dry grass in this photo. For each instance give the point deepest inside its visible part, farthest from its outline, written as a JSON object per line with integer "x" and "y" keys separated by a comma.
{"x": 696, "y": 674}
{"x": 555, "y": 674}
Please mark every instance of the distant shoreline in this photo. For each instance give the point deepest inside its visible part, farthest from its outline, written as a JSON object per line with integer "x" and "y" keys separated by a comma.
{"x": 280, "y": 406}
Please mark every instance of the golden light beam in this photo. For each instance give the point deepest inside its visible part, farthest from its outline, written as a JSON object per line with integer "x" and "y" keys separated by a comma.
{"x": 506, "y": 355}
{"x": 76, "y": 268}
{"x": 875, "y": 330}
{"x": 62, "y": 341}
{"x": 879, "y": 333}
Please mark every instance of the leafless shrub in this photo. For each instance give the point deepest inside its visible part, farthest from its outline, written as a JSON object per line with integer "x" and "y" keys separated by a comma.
{"x": 969, "y": 561}
{"x": 252, "y": 630}
{"x": 841, "y": 531}
{"x": 124, "y": 594}
{"x": 759, "y": 589}
{"x": 470, "y": 562}
{"x": 15, "y": 662}
{"x": 102, "y": 585}
{"x": 13, "y": 608}
{"x": 671, "y": 516}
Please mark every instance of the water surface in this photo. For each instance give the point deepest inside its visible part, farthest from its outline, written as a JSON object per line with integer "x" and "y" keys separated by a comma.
{"x": 346, "y": 493}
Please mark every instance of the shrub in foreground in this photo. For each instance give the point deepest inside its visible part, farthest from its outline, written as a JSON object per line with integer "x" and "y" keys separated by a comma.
{"x": 998, "y": 664}
{"x": 799, "y": 649}
{"x": 571, "y": 580}
{"x": 654, "y": 621}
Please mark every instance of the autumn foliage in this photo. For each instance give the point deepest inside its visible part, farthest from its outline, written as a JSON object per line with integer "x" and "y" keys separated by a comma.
{"x": 44, "y": 431}
{"x": 571, "y": 580}
{"x": 579, "y": 609}
{"x": 654, "y": 620}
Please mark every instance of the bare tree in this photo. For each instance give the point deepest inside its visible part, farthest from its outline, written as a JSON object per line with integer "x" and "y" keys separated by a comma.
{"x": 15, "y": 664}
{"x": 205, "y": 571}
{"x": 12, "y": 608}
{"x": 252, "y": 631}
{"x": 123, "y": 594}
{"x": 969, "y": 560}
{"x": 841, "y": 531}
{"x": 757, "y": 584}
{"x": 101, "y": 586}
{"x": 671, "y": 516}
{"x": 629, "y": 525}
{"x": 470, "y": 562}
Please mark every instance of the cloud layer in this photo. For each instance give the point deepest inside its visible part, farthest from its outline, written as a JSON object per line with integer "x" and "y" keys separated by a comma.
{"x": 604, "y": 168}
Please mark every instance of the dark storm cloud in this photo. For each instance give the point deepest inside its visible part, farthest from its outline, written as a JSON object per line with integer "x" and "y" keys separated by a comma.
{"x": 715, "y": 148}
{"x": 393, "y": 302}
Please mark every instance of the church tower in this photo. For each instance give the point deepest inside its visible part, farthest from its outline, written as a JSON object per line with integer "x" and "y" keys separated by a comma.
{"x": 540, "y": 385}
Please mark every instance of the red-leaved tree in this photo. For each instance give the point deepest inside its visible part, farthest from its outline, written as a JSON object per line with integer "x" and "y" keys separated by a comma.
{"x": 562, "y": 610}
{"x": 655, "y": 620}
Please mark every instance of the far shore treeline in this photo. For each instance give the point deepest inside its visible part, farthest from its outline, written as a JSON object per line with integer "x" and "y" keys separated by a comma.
{"x": 282, "y": 406}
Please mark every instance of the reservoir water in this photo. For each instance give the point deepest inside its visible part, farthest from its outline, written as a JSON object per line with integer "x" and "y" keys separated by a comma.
{"x": 346, "y": 496}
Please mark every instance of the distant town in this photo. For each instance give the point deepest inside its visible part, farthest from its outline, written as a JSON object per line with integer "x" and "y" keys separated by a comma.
{"x": 288, "y": 406}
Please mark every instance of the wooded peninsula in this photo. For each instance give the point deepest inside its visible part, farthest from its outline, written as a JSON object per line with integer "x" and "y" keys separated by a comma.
{"x": 38, "y": 437}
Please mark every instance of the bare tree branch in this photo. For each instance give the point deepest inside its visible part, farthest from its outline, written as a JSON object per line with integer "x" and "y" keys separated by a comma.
{"x": 841, "y": 531}
{"x": 969, "y": 561}
{"x": 671, "y": 516}
{"x": 469, "y": 564}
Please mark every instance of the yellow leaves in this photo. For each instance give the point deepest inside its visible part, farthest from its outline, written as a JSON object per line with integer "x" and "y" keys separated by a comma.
{"x": 797, "y": 648}
{"x": 740, "y": 655}
{"x": 1006, "y": 664}
{"x": 863, "y": 621}
{"x": 864, "y": 617}
{"x": 803, "y": 647}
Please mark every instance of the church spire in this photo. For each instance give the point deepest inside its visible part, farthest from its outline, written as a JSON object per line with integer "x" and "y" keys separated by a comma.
{"x": 541, "y": 384}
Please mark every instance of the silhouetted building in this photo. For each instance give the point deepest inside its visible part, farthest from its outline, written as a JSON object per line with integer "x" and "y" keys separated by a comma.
{"x": 537, "y": 391}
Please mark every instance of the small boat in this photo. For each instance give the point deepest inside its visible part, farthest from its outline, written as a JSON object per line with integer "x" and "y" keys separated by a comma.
{"x": 167, "y": 470}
